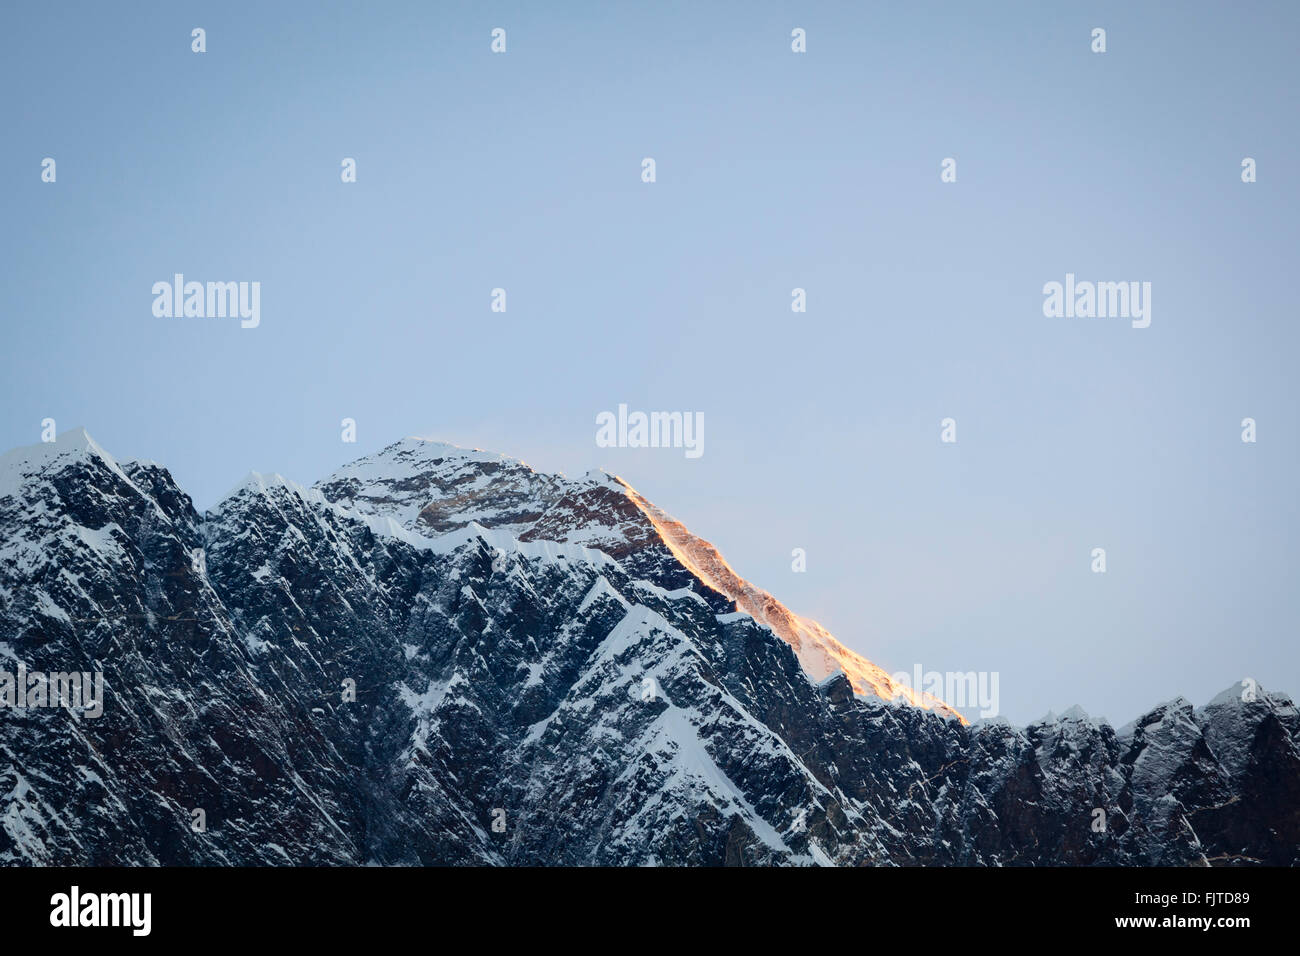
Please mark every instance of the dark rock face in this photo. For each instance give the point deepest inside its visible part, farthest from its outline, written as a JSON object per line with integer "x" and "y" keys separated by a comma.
{"x": 458, "y": 661}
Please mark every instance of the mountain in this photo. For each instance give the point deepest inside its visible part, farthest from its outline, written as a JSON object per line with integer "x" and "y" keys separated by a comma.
{"x": 439, "y": 656}
{"x": 433, "y": 487}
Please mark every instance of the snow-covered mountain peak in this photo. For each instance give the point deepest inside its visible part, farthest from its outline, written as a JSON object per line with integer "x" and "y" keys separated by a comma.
{"x": 417, "y": 447}
{"x": 1236, "y": 694}
{"x": 19, "y": 465}
{"x": 432, "y": 488}
{"x": 257, "y": 483}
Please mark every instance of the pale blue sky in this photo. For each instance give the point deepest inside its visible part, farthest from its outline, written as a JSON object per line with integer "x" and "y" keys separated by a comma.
{"x": 775, "y": 170}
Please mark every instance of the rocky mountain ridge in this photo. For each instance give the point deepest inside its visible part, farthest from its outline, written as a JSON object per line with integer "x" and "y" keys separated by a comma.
{"x": 439, "y": 656}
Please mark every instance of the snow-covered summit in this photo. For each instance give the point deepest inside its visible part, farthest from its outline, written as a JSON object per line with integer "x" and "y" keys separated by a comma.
{"x": 434, "y": 487}
{"x": 19, "y": 465}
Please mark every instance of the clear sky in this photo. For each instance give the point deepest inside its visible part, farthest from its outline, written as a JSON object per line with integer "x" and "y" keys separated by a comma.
{"x": 775, "y": 170}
